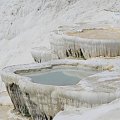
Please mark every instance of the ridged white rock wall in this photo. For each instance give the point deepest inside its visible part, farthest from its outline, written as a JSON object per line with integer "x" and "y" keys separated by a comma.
{"x": 42, "y": 54}
{"x": 66, "y": 46}
{"x": 44, "y": 101}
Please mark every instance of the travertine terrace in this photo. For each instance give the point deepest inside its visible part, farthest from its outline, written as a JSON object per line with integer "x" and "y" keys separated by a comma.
{"x": 86, "y": 43}
{"x": 80, "y": 44}
{"x": 40, "y": 101}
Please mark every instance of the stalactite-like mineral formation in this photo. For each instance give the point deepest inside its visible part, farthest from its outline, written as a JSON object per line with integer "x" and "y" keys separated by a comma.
{"x": 43, "y": 54}
{"x": 86, "y": 43}
{"x": 42, "y": 102}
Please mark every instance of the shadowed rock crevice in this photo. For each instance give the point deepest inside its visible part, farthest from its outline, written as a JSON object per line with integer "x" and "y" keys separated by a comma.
{"x": 17, "y": 99}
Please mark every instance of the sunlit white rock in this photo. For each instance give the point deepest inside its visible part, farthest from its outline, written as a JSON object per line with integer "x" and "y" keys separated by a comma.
{"x": 51, "y": 99}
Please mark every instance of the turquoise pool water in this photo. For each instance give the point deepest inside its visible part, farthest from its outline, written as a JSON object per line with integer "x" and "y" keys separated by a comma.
{"x": 59, "y": 78}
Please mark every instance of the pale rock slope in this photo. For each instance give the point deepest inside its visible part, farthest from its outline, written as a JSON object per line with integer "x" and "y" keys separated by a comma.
{"x": 25, "y": 24}
{"x": 104, "y": 112}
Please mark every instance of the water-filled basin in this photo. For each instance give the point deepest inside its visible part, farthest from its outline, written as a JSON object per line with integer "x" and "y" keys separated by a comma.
{"x": 60, "y": 76}
{"x": 43, "y": 89}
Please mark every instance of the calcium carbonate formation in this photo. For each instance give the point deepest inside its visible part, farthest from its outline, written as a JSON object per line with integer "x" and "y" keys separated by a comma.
{"x": 42, "y": 54}
{"x": 43, "y": 102}
{"x": 84, "y": 43}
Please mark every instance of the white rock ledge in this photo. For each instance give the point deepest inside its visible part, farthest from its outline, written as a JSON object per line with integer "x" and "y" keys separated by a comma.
{"x": 42, "y": 54}
{"x": 83, "y": 42}
{"x": 78, "y": 45}
{"x": 44, "y": 101}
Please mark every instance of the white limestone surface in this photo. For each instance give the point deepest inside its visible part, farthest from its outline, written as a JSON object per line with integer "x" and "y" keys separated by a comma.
{"x": 92, "y": 91}
{"x": 25, "y": 24}
{"x": 104, "y": 112}
{"x": 28, "y": 24}
{"x": 86, "y": 43}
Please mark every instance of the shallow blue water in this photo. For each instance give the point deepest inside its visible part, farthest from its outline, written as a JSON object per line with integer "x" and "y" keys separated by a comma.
{"x": 58, "y": 78}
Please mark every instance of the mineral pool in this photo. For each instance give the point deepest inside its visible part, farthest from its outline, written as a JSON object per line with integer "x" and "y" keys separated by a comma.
{"x": 59, "y": 77}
